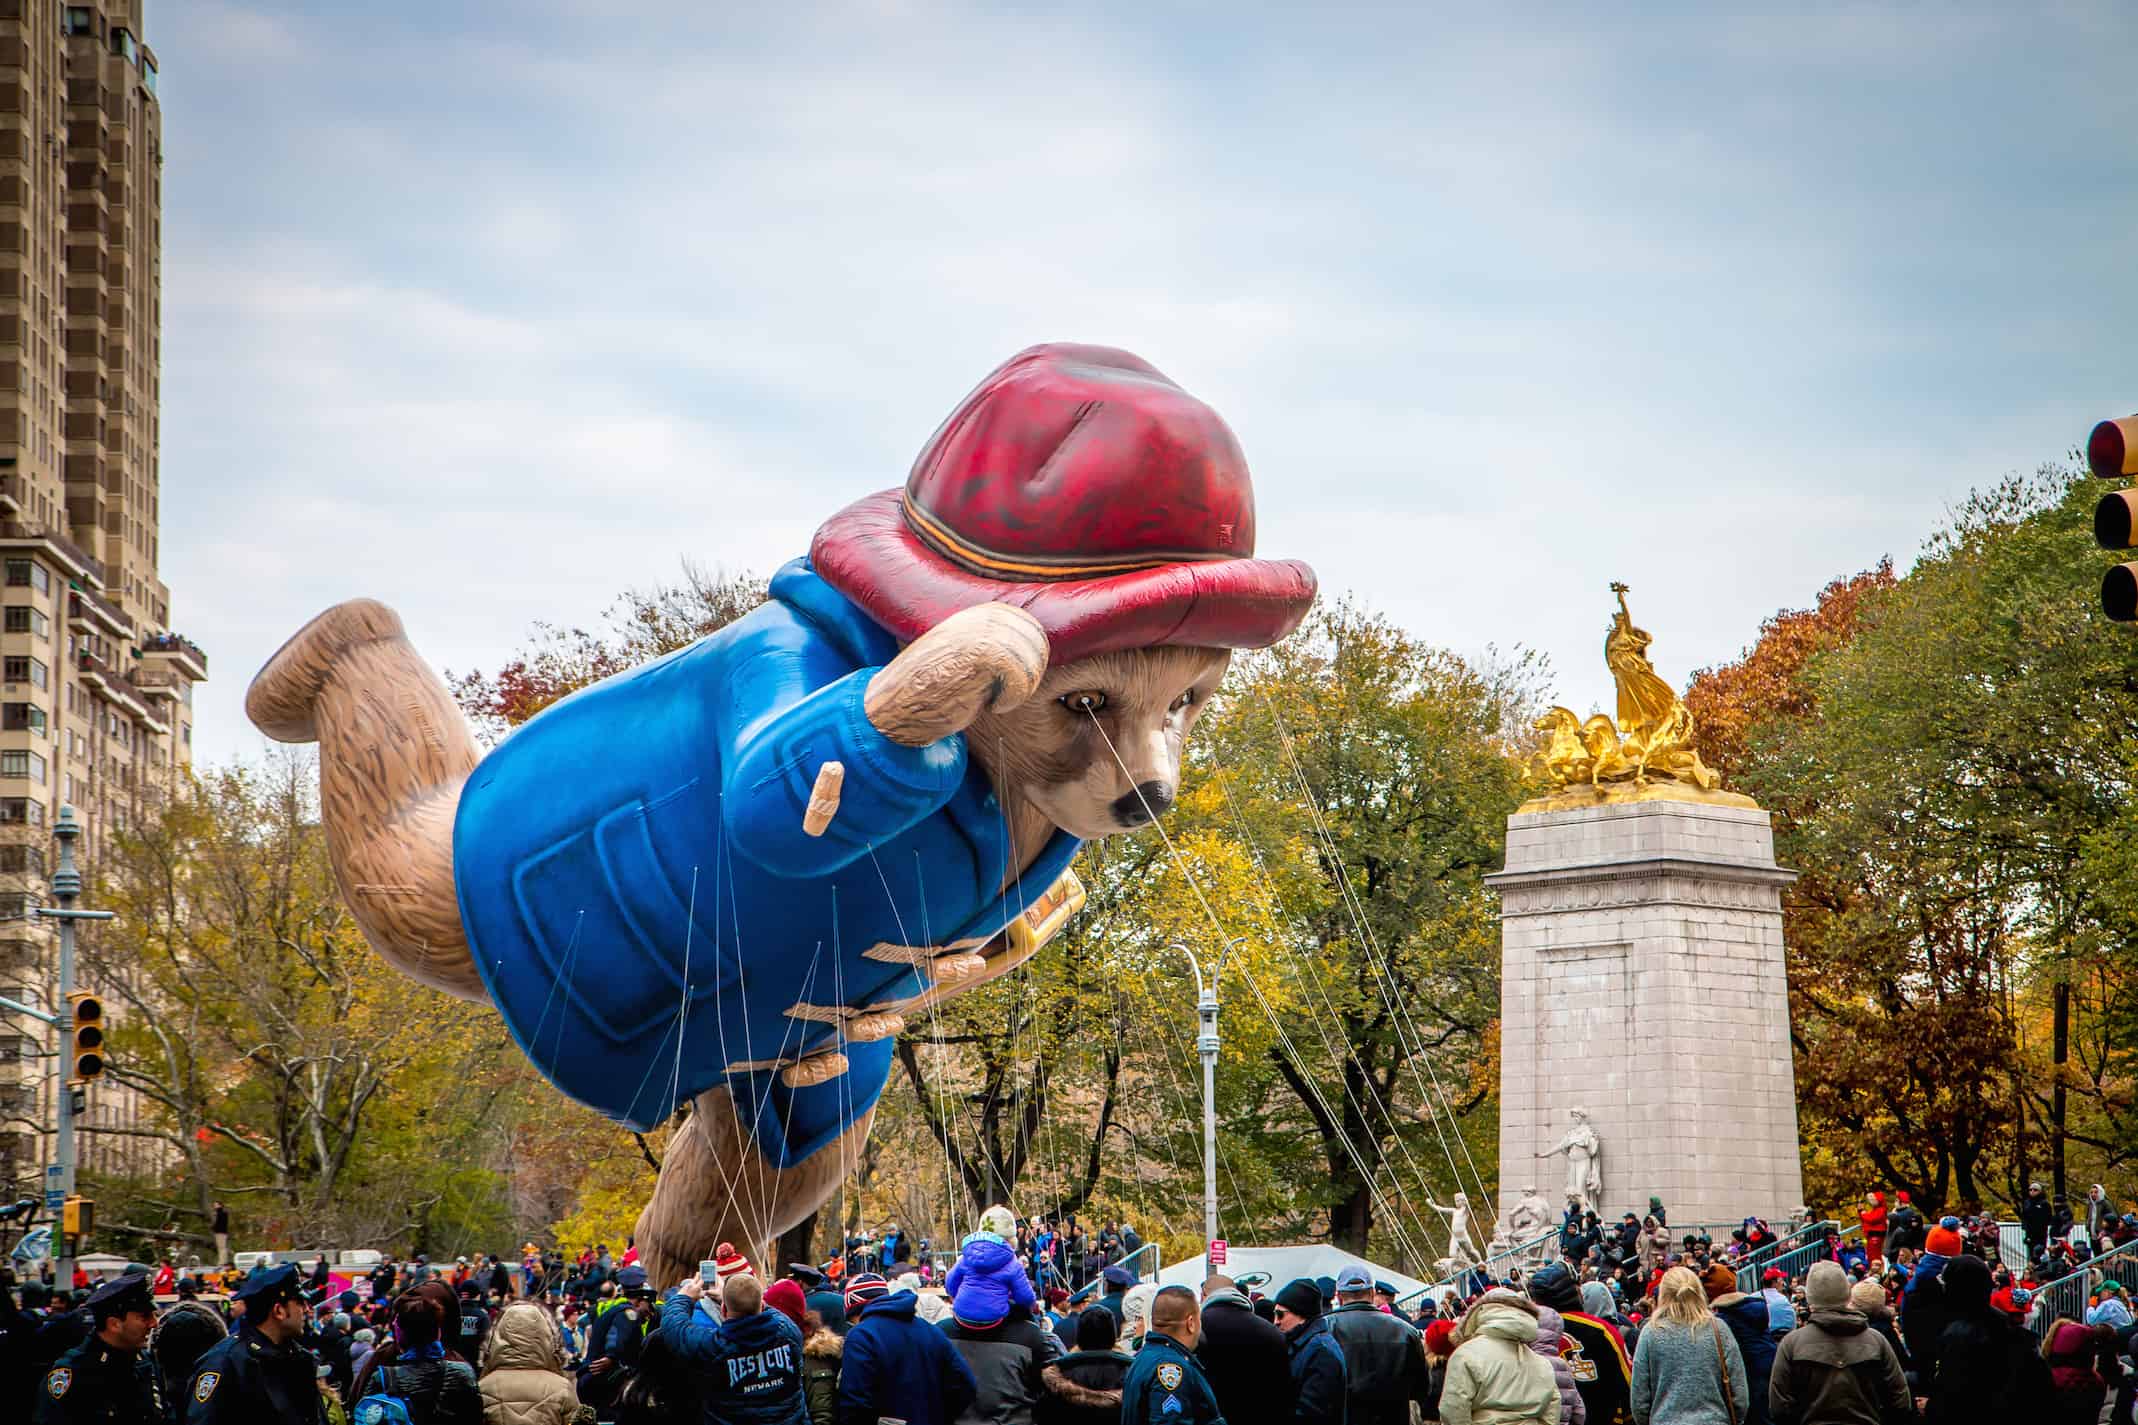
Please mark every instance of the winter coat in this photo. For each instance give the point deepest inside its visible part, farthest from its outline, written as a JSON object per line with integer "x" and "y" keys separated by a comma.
{"x": 1384, "y": 1363}
{"x": 986, "y": 1283}
{"x": 715, "y": 757}
{"x": 1082, "y": 1388}
{"x": 1246, "y": 1361}
{"x": 1986, "y": 1369}
{"x": 2035, "y": 1215}
{"x": 1318, "y": 1394}
{"x": 1881, "y": 1321}
{"x": 1571, "y": 1410}
{"x": 1007, "y": 1360}
{"x": 748, "y": 1371}
{"x": 1923, "y": 1314}
{"x": 1494, "y": 1378}
{"x": 523, "y": 1380}
{"x": 1746, "y": 1316}
{"x": 898, "y": 1365}
{"x": 2082, "y": 1366}
{"x": 1678, "y": 1375}
{"x": 1166, "y": 1386}
{"x": 820, "y": 1375}
{"x": 438, "y": 1392}
{"x": 1836, "y": 1370}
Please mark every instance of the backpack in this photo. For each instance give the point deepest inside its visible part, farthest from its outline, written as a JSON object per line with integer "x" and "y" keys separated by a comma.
{"x": 392, "y": 1408}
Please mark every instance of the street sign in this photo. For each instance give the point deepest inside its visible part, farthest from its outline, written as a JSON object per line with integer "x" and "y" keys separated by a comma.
{"x": 1217, "y": 1252}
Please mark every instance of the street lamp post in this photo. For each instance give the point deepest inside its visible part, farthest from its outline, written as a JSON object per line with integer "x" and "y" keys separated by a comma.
{"x": 1206, "y": 1042}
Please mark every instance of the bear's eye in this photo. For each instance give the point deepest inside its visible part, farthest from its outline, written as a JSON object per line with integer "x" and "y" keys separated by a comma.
{"x": 1082, "y": 702}
{"x": 1184, "y": 700}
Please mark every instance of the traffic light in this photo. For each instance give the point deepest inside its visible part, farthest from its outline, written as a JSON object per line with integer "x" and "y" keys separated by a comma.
{"x": 85, "y": 1054}
{"x": 2112, "y": 454}
{"x": 77, "y": 1217}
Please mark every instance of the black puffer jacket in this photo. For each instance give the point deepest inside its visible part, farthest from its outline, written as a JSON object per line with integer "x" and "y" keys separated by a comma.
{"x": 1384, "y": 1363}
{"x": 438, "y": 1392}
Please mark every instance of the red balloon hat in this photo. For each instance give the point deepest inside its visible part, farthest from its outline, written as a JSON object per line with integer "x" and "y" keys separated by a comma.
{"x": 1081, "y": 485}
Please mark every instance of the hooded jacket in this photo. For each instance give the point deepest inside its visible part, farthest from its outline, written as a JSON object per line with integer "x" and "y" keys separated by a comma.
{"x": 987, "y": 1282}
{"x": 1384, "y": 1363}
{"x": 1083, "y": 1388}
{"x": 1571, "y": 1410}
{"x": 1746, "y": 1316}
{"x": 820, "y": 1375}
{"x": 2083, "y": 1362}
{"x": 1246, "y": 1361}
{"x": 1987, "y": 1371}
{"x": 898, "y": 1365}
{"x": 1007, "y": 1360}
{"x": 747, "y": 1371}
{"x": 1494, "y": 1378}
{"x": 523, "y": 1380}
{"x": 1836, "y": 1370}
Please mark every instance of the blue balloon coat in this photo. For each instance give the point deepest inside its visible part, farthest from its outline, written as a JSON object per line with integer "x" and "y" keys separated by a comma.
{"x": 648, "y": 914}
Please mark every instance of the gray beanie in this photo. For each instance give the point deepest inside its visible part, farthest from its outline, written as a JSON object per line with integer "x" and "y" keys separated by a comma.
{"x": 1826, "y": 1287}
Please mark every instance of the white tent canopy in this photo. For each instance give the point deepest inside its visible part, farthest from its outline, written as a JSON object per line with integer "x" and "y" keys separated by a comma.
{"x": 1283, "y": 1264}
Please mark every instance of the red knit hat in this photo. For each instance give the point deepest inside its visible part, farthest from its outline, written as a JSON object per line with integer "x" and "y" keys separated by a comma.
{"x": 785, "y": 1297}
{"x": 730, "y": 1263}
{"x": 1440, "y": 1338}
{"x": 1943, "y": 1241}
{"x": 1079, "y": 484}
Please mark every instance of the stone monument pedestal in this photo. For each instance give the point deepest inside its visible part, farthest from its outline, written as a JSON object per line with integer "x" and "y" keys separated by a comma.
{"x": 1641, "y": 979}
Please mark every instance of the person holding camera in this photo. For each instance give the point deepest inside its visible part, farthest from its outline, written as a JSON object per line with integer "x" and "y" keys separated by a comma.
{"x": 746, "y": 1363}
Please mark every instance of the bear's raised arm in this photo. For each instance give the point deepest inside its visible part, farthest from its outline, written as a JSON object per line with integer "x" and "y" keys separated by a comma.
{"x": 771, "y": 770}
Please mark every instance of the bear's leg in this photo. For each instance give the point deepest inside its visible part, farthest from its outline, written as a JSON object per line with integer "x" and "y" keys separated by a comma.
{"x": 393, "y": 753}
{"x": 714, "y": 1188}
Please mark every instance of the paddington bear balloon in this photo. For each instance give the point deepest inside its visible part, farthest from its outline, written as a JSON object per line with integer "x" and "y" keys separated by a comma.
{"x": 731, "y": 875}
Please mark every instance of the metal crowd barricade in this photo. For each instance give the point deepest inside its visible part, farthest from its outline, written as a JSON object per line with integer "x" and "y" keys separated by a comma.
{"x": 1146, "y": 1269}
{"x": 1793, "y": 1254}
{"x": 2068, "y": 1296}
{"x": 2012, "y": 1245}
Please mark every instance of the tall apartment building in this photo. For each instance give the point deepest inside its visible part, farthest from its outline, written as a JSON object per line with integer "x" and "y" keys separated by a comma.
{"x": 96, "y": 691}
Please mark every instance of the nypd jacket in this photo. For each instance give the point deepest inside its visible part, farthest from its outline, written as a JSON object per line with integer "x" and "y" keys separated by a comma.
{"x": 748, "y": 1371}
{"x": 894, "y": 1364}
{"x": 640, "y": 845}
{"x": 1165, "y": 1386}
{"x": 100, "y": 1384}
{"x": 249, "y": 1380}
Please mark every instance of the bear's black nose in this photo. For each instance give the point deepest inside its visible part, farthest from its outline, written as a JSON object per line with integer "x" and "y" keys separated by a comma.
{"x": 1144, "y": 805}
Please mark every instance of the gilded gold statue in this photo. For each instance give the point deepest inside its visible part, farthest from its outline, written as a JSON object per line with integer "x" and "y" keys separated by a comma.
{"x": 1653, "y": 736}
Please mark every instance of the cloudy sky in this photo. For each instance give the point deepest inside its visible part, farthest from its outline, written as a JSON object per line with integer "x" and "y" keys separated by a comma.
{"x": 491, "y": 311}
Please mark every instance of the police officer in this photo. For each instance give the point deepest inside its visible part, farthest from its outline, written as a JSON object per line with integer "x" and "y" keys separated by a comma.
{"x": 261, "y": 1374}
{"x": 107, "y": 1378}
{"x": 1166, "y": 1385}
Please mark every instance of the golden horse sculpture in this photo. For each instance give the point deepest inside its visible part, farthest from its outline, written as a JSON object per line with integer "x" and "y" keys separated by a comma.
{"x": 1652, "y": 737}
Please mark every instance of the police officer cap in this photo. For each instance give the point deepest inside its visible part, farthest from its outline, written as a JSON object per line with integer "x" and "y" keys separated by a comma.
{"x": 1120, "y": 1276}
{"x": 805, "y": 1274}
{"x": 631, "y": 1278}
{"x": 116, "y": 1298}
{"x": 265, "y": 1287}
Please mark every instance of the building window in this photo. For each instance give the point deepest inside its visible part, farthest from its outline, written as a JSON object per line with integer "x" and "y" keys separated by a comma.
{"x": 21, "y": 811}
{"x": 76, "y": 20}
{"x": 21, "y": 618}
{"x": 18, "y": 905}
{"x": 122, "y": 43}
{"x": 22, "y": 717}
{"x": 25, "y": 670}
{"x": 23, "y": 860}
{"x": 22, "y": 764}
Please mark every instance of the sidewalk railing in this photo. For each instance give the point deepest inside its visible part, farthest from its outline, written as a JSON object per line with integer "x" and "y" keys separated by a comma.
{"x": 1793, "y": 1254}
{"x": 2068, "y": 1296}
{"x": 1143, "y": 1262}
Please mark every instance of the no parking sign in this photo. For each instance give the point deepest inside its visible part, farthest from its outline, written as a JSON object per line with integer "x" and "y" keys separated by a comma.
{"x": 1217, "y": 1252}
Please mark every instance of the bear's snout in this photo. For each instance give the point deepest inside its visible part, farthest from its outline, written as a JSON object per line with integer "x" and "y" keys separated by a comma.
{"x": 1144, "y": 805}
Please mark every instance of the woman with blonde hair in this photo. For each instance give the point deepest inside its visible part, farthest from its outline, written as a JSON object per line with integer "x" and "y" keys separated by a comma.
{"x": 1687, "y": 1369}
